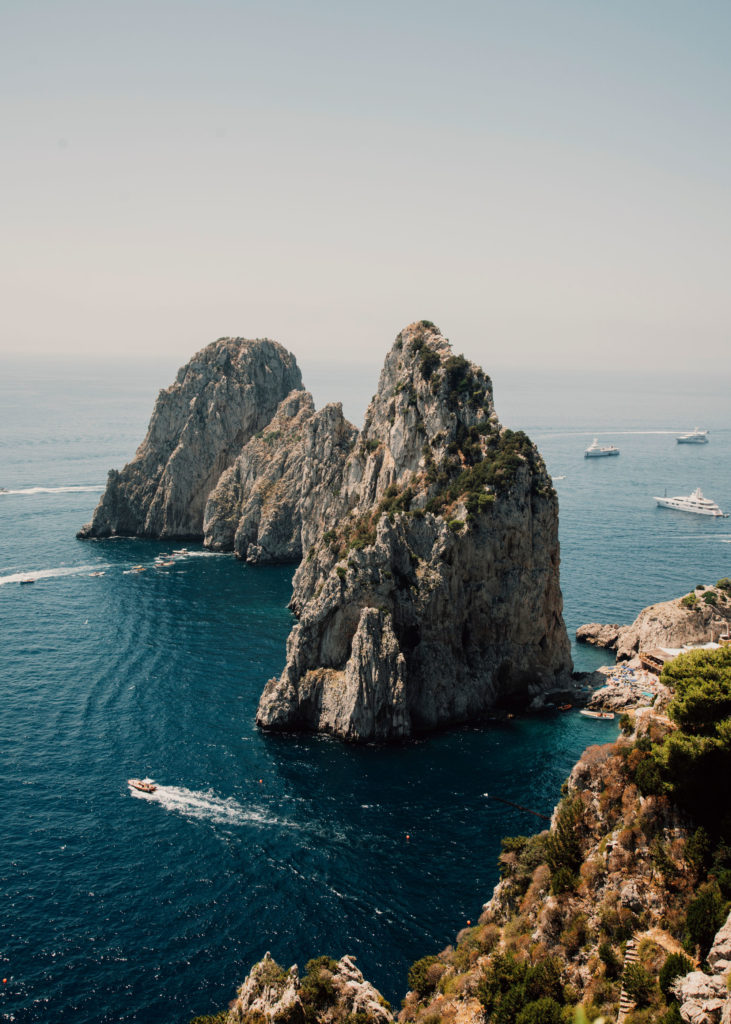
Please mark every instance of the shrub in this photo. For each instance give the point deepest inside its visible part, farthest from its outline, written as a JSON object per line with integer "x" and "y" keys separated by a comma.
{"x": 456, "y": 525}
{"x": 704, "y": 916}
{"x": 638, "y": 983}
{"x": 675, "y": 966}
{"x": 563, "y": 851}
{"x": 542, "y": 1011}
{"x": 316, "y": 990}
{"x": 418, "y": 976}
{"x": 342, "y": 572}
{"x": 612, "y": 962}
{"x": 724, "y": 584}
{"x": 710, "y": 598}
{"x": 690, "y": 600}
{"x": 372, "y": 444}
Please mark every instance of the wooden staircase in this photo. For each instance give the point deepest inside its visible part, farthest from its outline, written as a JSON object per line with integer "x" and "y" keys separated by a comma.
{"x": 625, "y": 1002}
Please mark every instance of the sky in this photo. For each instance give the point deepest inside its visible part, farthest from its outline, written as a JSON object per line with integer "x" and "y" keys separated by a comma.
{"x": 547, "y": 181}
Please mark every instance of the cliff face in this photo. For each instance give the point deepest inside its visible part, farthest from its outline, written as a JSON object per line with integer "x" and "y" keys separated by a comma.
{"x": 432, "y": 589}
{"x": 227, "y": 392}
{"x": 271, "y": 503}
{"x": 693, "y": 619}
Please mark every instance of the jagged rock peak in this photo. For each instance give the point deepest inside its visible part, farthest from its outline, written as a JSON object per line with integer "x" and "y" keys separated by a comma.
{"x": 337, "y": 992}
{"x": 219, "y": 399}
{"x": 433, "y": 591}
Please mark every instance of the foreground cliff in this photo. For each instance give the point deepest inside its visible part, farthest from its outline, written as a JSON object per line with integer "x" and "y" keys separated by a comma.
{"x": 227, "y": 392}
{"x": 428, "y": 584}
{"x": 620, "y": 911}
{"x": 432, "y": 590}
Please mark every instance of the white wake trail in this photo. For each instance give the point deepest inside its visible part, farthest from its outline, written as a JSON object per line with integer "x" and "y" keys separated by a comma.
{"x": 71, "y": 489}
{"x": 205, "y": 806}
{"x": 49, "y": 574}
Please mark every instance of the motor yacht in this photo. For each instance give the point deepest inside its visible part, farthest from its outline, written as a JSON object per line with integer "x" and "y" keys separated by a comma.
{"x": 596, "y": 450}
{"x": 696, "y": 436}
{"x": 694, "y": 502}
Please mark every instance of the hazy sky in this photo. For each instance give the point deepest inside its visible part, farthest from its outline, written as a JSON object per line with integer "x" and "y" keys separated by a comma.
{"x": 547, "y": 181}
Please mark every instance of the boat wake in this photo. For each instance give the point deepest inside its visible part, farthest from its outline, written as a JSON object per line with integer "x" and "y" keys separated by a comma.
{"x": 205, "y": 806}
{"x": 71, "y": 489}
{"x": 50, "y": 574}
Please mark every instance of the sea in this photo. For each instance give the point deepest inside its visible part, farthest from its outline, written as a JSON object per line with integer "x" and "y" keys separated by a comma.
{"x": 119, "y": 906}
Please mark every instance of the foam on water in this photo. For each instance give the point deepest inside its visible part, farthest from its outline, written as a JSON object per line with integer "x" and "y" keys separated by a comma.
{"x": 51, "y": 574}
{"x": 70, "y": 489}
{"x": 204, "y": 805}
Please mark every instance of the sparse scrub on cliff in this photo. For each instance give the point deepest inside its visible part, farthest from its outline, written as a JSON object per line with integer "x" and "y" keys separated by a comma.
{"x": 689, "y": 601}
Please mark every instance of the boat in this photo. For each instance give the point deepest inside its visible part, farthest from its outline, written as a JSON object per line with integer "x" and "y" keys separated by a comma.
{"x": 694, "y": 502}
{"x": 596, "y": 450}
{"x": 565, "y": 707}
{"x": 696, "y": 436}
{"x": 24, "y": 582}
{"x": 96, "y": 573}
{"x": 609, "y": 715}
{"x": 142, "y": 785}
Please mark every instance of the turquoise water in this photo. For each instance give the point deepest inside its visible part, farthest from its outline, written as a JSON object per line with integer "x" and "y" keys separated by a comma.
{"x": 152, "y": 909}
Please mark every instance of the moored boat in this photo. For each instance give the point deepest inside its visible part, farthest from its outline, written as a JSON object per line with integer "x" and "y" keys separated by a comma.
{"x": 694, "y": 502}
{"x": 142, "y": 785}
{"x": 596, "y": 450}
{"x": 609, "y": 715}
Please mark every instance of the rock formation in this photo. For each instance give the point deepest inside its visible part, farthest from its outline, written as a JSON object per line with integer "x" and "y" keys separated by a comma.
{"x": 333, "y": 990}
{"x": 428, "y": 587}
{"x": 271, "y": 503}
{"x": 432, "y": 590}
{"x": 227, "y": 392}
{"x": 693, "y": 619}
{"x": 705, "y": 998}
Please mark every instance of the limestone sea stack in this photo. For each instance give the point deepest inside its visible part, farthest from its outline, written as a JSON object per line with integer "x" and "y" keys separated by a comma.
{"x": 430, "y": 590}
{"x": 428, "y": 580}
{"x": 225, "y": 394}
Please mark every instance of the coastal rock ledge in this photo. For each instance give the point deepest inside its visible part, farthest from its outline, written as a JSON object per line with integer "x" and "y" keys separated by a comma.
{"x": 428, "y": 582}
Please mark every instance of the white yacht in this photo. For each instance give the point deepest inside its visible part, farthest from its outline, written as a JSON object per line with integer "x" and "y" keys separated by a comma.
{"x": 696, "y": 436}
{"x": 596, "y": 450}
{"x": 694, "y": 502}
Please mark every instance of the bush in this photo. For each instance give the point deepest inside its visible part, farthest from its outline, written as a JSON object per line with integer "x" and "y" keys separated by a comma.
{"x": 705, "y": 915}
{"x": 542, "y": 1011}
{"x": 724, "y": 584}
{"x": 710, "y": 598}
{"x": 418, "y": 976}
{"x": 675, "y": 966}
{"x": 612, "y": 962}
{"x": 638, "y": 983}
{"x": 455, "y": 525}
{"x": 690, "y": 600}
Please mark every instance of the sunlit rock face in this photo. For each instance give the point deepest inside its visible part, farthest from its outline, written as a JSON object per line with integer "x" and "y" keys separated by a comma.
{"x": 432, "y": 588}
{"x": 225, "y": 394}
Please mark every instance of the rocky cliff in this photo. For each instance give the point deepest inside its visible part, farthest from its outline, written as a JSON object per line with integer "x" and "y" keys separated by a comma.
{"x": 431, "y": 590}
{"x": 428, "y": 584}
{"x": 227, "y": 392}
{"x": 695, "y": 618}
{"x": 271, "y": 504}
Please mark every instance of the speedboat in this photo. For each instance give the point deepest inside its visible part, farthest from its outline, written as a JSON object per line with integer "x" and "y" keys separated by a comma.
{"x": 596, "y": 714}
{"x": 596, "y": 450}
{"x": 694, "y": 502}
{"x": 25, "y": 582}
{"x": 696, "y": 436}
{"x": 144, "y": 787}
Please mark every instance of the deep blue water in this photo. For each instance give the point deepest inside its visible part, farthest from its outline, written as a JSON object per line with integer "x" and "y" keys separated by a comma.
{"x": 152, "y": 909}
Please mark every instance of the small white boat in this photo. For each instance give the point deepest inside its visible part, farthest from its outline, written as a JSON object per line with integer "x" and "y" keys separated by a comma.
{"x": 608, "y": 715}
{"x": 142, "y": 785}
{"x": 694, "y": 502}
{"x": 696, "y": 436}
{"x": 596, "y": 450}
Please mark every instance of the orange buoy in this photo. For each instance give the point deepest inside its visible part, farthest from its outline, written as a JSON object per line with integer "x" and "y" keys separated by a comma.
{"x": 261, "y": 780}
{"x": 469, "y": 922}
